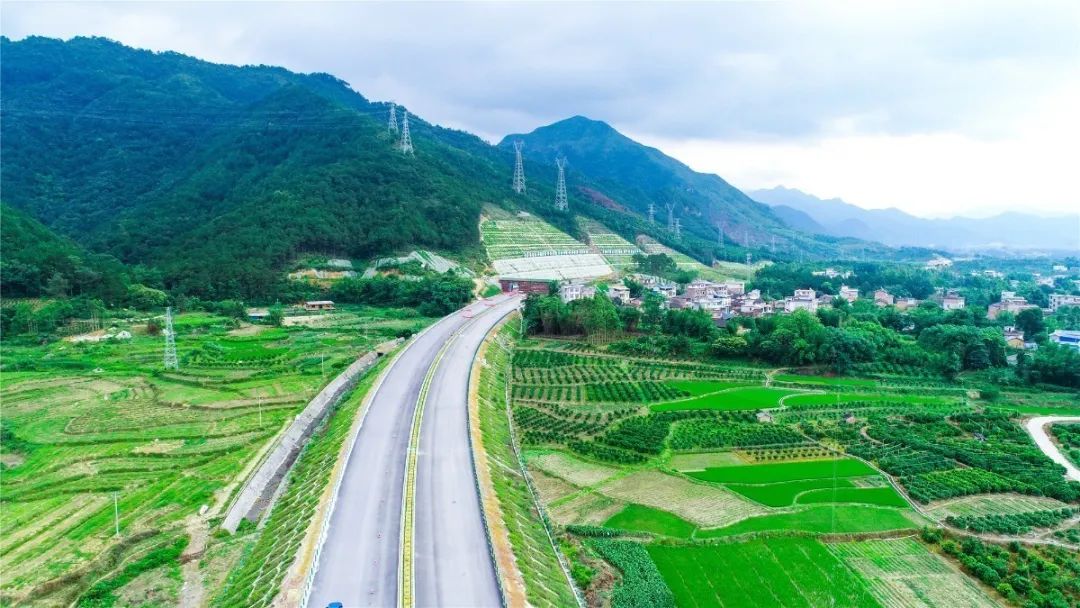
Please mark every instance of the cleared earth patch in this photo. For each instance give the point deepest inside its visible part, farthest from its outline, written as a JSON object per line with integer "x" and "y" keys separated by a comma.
{"x": 707, "y": 506}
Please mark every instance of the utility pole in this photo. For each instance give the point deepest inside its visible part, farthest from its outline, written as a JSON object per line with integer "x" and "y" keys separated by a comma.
{"x": 171, "y": 362}
{"x": 652, "y": 213}
{"x": 519, "y": 168}
{"x": 259, "y": 395}
{"x": 406, "y": 139}
{"x": 392, "y": 127}
{"x": 561, "y": 202}
{"x": 116, "y": 513}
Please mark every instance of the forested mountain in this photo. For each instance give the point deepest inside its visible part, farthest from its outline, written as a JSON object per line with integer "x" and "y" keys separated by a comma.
{"x": 893, "y": 227}
{"x": 218, "y": 174}
{"x": 207, "y": 179}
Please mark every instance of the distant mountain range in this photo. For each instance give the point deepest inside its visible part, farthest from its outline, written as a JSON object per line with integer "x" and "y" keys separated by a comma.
{"x": 835, "y": 217}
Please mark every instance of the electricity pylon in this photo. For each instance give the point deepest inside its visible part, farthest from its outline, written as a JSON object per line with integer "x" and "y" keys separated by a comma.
{"x": 171, "y": 362}
{"x": 406, "y": 139}
{"x": 561, "y": 202}
{"x": 392, "y": 127}
{"x": 519, "y": 168}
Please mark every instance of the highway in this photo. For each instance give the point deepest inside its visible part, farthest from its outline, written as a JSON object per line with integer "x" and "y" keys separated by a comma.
{"x": 452, "y": 564}
{"x": 358, "y": 560}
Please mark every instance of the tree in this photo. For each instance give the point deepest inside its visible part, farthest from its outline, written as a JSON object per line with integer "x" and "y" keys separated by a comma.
{"x": 729, "y": 346}
{"x": 276, "y": 315}
{"x": 57, "y": 286}
{"x": 1030, "y": 321}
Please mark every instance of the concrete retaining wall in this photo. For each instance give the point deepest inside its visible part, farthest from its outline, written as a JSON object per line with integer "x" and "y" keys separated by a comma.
{"x": 256, "y": 495}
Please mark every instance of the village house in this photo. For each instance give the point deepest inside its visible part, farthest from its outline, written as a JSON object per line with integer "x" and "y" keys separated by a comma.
{"x": 952, "y": 301}
{"x": 619, "y": 293}
{"x": 803, "y": 299}
{"x": 831, "y": 273}
{"x": 938, "y": 263}
{"x": 318, "y": 305}
{"x": 1014, "y": 338}
{"x": 1010, "y": 302}
{"x": 883, "y": 298}
{"x": 735, "y": 288}
{"x": 575, "y": 290}
{"x": 526, "y": 286}
{"x": 849, "y": 293}
{"x": 1065, "y": 337}
{"x": 1057, "y": 300}
{"x": 906, "y": 303}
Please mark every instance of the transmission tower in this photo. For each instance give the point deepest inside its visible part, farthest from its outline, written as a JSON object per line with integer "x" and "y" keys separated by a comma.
{"x": 519, "y": 168}
{"x": 392, "y": 127}
{"x": 560, "y": 188}
{"x": 720, "y": 235}
{"x": 678, "y": 228}
{"x": 671, "y": 216}
{"x": 774, "y": 244}
{"x": 747, "y": 258}
{"x": 652, "y": 213}
{"x": 406, "y": 139}
{"x": 171, "y": 361}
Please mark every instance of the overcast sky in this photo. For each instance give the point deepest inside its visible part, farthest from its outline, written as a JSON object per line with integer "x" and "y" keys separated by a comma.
{"x": 938, "y": 108}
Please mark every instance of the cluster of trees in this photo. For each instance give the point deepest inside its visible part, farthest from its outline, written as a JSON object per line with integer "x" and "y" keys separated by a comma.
{"x": 434, "y": 296}
{"x": 1033, "y": 577}
{"x": 779, "y": 280}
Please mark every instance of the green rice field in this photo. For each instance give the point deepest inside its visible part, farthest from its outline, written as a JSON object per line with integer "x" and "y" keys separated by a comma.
{"x": 639, "y": 518}
{"x": 824, "y": 519}
{"x": 751, "y": 398}
{"x": 793, "y": 572}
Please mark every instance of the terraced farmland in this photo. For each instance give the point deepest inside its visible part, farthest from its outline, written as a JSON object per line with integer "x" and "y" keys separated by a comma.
{"x": 903, "y": 574}
{"x": 92, "y": 426}
{"x": 617, "y": 251}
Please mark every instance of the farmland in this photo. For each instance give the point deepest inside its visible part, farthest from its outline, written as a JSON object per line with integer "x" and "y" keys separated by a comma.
{"x": 677, "y": 474}
{"x": 94, "y": 429}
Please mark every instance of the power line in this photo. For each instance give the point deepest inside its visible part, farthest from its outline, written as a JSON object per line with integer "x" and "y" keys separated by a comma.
{"x": 519, "y": 168}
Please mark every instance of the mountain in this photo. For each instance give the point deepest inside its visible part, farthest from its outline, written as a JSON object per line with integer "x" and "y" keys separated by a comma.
{"x": 836, "y": 217}
{"x": 636, "y": 175}
{"x": 218, "y": 175}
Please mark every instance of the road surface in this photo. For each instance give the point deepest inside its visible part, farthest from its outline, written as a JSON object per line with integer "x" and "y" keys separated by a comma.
{"x": 452, "y": 564}
{"x": 1036, "y": 427}
{"x": 358, "y": 561}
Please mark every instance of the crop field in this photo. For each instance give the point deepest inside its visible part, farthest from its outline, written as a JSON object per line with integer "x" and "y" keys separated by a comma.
{"x": 778, "y": 572}
{"x": 902, "y": 573}
{"x": 617, "y": 251}
{"x": 93, "y": 430}
{"x": 722, "y": 271}
{"x": 698, "y": 468}
{"x": 526, "y": 236}
{"x": 994, "y": 504}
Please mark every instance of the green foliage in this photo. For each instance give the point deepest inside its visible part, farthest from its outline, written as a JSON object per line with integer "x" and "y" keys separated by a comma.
{"x": 642, "y": 585}
{"x": 1012, "y": 523}
{"x": 101, "y": 594}
{"x": 1033, "y": 576}
{"x": 433, "y": 296}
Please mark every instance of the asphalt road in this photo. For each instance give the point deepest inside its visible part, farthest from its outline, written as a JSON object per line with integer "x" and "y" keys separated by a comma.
{"x": 358, "y": 561}
{"x": 452, "y": 564}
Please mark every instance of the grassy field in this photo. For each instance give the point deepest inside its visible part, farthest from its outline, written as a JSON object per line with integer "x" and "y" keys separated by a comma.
{"x": 646, "y": 519}
{"x": 825, "y": 380}
{"x": 515, "y": 237}
{"x": 786, "y": 572}
{"x": 89, "y": 423}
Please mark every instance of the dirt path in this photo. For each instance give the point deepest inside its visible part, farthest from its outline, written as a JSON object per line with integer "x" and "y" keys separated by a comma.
{"x": 192, "y": 591}
{"x": 1036, "y": 427}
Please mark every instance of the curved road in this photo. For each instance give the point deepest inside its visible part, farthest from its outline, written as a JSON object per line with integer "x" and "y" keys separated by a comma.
{"x": 452, "y": 563}
{"x": 1036, "y": 427}
{"x": 358, "y": 561}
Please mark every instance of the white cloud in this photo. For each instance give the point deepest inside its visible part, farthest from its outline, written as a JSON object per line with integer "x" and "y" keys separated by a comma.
{"x": 940, "y": 108}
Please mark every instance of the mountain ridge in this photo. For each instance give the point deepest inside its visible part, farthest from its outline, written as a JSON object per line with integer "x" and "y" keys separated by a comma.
{"x": 895, "y": 227}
